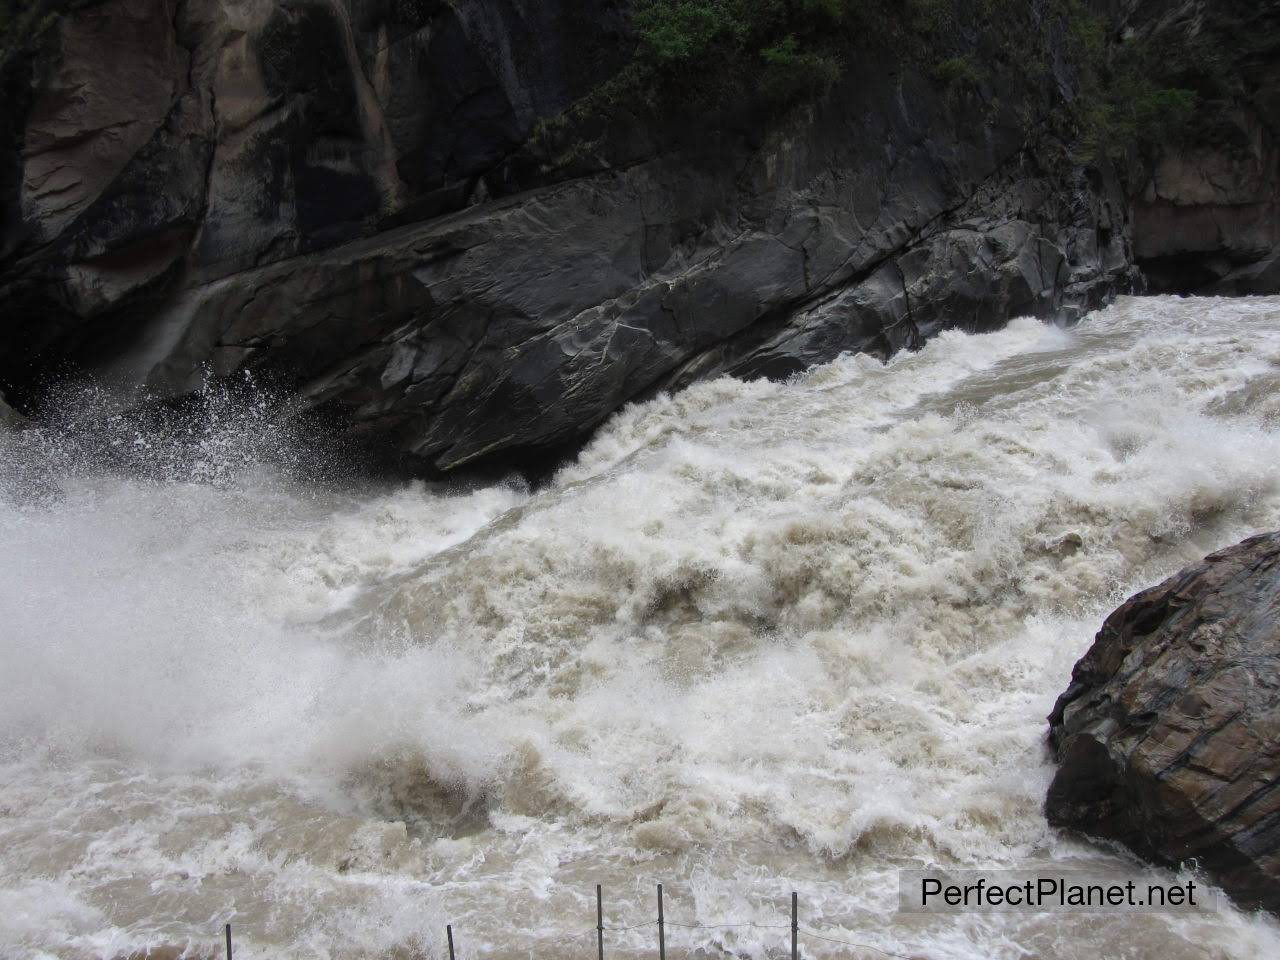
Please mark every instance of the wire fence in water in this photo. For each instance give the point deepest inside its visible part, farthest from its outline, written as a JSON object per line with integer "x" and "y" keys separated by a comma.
{"x": 661, "y": 923}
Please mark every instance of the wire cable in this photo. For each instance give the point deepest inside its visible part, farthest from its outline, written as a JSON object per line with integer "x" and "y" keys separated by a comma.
{"x": 786, "y": 926}
{"x": 854, "y": 943}
{"x": 638, "y": 926}
{"x": 575, "y": 936}
{"x": 725, "y": 926}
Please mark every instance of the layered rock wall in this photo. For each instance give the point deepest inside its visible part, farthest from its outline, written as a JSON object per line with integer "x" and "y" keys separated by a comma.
{"x": 348, "y": 196}
{"x": 1206, "y": 212}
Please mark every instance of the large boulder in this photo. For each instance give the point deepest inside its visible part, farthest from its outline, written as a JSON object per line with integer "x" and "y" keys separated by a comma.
{"x": 1168, "y": 738}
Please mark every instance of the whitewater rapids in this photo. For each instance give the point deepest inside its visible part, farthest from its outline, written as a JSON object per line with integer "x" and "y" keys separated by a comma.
{"x": 757, "y": 638}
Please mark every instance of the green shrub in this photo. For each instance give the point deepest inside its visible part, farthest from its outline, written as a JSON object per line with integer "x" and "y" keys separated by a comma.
{"x": 790, "y": 72}
{"x": 1163, "y": 111}
{"x": 700, "y": 54}
{"x": 789, "y": 48}
{"x": 1129, "y": 101}
{"x": 931, "y": 16}
{"x": 23, "y": 21}
{"x": 1135, "y": 116}
{"x": 674, "y": 31}
{"x": 1088, "y": 32}
{"x": 958, "y": 72}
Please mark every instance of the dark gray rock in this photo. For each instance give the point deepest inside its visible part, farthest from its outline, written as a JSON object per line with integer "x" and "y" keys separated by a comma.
{"x": 1209, "y": 217}
{"x": 1206, "y": 216}
{"x": 1168, "y": 738}
{"x": 346, "y": 197}
{"x": 10, "y": 419}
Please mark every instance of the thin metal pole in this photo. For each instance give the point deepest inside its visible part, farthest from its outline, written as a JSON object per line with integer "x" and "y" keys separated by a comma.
{"x": 228, "y": 941}
{"x": 599, "y": 922}
{"x": 795, "y": 930}
{"x": 662, "y": 933}
{"x": 448, "y": 931}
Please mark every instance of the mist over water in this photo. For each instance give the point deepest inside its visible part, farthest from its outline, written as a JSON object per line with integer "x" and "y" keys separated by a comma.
{"x": 758, "y": 637}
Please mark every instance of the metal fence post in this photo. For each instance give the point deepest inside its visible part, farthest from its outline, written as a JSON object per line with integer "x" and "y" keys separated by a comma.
{"x": 228, "y": 941}
{"x": 448, "y": 932}
{"x": 599, "y": 922}
{"x": 795, "y": 930}
{"x": 662, "y": 933}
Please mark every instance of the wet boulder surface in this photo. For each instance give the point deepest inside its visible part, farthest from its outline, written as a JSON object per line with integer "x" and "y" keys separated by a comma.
{"x": 1168, "y": 737}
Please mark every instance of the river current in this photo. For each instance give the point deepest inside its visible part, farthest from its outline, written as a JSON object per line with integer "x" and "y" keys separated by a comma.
{"x": 756, "y": 638}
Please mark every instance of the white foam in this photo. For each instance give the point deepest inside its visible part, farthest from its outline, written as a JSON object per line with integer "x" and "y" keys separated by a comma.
{"x": 757, "y": 637}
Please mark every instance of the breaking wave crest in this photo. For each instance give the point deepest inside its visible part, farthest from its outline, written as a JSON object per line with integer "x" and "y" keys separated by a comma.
{"x": 757, "y": 637}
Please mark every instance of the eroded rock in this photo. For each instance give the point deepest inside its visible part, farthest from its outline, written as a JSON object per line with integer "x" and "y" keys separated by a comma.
{"x": 1168, "y": 738}
{"x": 349, "y": 198}
{"x": 1207, "y": 217}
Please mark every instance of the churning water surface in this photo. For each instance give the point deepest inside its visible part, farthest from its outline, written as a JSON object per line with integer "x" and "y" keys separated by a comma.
{"x": 758, "y": 638}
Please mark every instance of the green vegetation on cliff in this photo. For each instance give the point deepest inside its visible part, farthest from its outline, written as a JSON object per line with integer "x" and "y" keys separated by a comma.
{"x": 787, "y": 49}
{"x": 1187, "y": 73}
{"x": 19, "y": 21}
{"x": 24, "y": 22}
{"x": 700, "y": 44}
{"x": 1125, "y": 103}
{"x": 1131, "y": 93}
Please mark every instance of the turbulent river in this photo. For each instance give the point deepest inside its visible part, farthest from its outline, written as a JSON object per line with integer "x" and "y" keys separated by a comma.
{"x": 757, "y": 638}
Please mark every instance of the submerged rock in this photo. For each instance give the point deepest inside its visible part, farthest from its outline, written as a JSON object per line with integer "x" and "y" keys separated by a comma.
{"x": 1168, "y": 737}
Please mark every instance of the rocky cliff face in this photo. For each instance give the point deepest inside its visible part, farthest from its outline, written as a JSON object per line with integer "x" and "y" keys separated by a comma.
{"x": 349, "y": 196}
{"x": 1208, "y": 218}
{"x": 1206, "y": 213}
{"x": 1168, "y": 737}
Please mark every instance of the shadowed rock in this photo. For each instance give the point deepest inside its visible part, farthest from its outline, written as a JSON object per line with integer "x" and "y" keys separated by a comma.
{"x": 350, "y": 199}
{"x": 1168, "y": 737}
{"x": 1207, "y": 217}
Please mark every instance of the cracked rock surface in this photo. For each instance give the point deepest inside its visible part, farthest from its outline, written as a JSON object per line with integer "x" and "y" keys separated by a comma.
{"x": 1168, "y": 738}
{"x": 347, "y": 197}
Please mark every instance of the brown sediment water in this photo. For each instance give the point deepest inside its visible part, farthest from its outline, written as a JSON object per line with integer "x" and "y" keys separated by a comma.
{"x": 757, "y": 638}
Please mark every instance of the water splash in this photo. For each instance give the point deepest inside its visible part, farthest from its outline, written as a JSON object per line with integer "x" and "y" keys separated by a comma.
{"x": 757, "y": 637}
